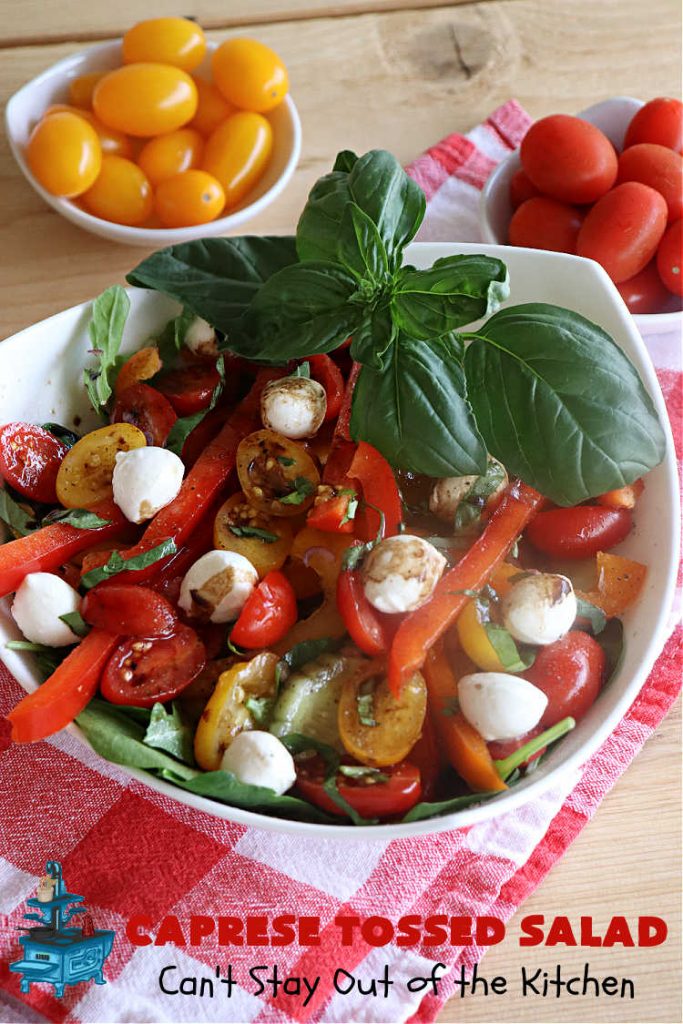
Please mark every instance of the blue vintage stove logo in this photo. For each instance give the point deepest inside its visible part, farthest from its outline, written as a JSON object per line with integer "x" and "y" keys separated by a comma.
{"x": 54, "y": 952}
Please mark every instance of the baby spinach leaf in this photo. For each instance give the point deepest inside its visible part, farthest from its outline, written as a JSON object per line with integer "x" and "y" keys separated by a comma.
{"x": 76, "y": 623}
{"x": 216, "y": 278}
{"x": 416, "y": 412}
{"x": 560, "y": 404}
{"x": 116, "y": 563}
{"x": 430, "y": 809}
{"x": 297, "y": 743}
{"x": 300, "y": 311}
{"x": 455, "y": 291}
{"x": 117, "y": 737}
{"x": 109, "y": 315}
{"x": 14, "y": 515}
{"x": 168, "y": 730}
{"x": 360, "y": 249}
{"x": 184, "y": 426}
{"x": 80, "y": 518}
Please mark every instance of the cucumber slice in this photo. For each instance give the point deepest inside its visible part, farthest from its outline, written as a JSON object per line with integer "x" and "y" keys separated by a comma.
{"x": 309, "y": 699}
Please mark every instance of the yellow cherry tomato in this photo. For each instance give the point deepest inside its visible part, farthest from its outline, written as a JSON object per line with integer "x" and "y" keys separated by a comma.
{"x": 145, "y": 99}
{"x": 121, "y": 193}
{"x": 265, "y": 540}
{"x": 111, "y": 141}
{"x": 194, "y": 197}
{"x": 85, "y": 473}
{"x": 176, "y": 41}
{"x": 64, "y": 154}
{"x": 398, "y": 721}
{"x": 82, "y": 88}
{"x": 472, "y": 629}
{"x": 249, "y": 74}
{"x": 237, "y": 153}
{"x": 167, "y": 155}
{"x": 212, "y": 107}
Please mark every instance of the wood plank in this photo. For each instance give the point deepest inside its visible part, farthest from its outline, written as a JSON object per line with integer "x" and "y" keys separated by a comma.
{"x": 400, "y": 80}
{"x": 33, "y": 21}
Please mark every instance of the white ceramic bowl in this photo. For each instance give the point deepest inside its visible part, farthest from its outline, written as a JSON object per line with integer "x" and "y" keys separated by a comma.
{"x": 40, "y": 373}
{"x": 29, "y": 103}
{"x": 611, "y": 117}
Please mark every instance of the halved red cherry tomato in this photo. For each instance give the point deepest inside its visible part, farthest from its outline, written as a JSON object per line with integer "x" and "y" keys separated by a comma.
{"x": 658, "y": 167}
{"x": 362, "y": 622}
{"x": 30, "y": 458}
{"x": 148, "y": 410}
{"x": 380, "y": 489}
{"x": 645, "y": 292}
{"x": 142, "y": 672}
{"x": 542, "y": 223}
{"x": 569, "y": 159}
{"x": 670, "y": 258}
{"x": 327, "y": 373}
{"x": 268, "y": 615}
{"x": 400, "y": 789}
{"x": 129, "y": 611}
{"x": 189, "y": 390}
{"x": 521, "y": 189}
{"x": 579, "y": 532}
{"x": 570, "y": 673}
{"x": 332, "y": 514}
{"x": 659, "y": 121}
{"x": 623, "y": 229}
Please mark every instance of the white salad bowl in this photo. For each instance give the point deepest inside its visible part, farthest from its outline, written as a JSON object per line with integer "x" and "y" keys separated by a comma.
{"x": 40, "y": 380}
{"x": 495, "y": 210}
{"x": 28, "y": 104}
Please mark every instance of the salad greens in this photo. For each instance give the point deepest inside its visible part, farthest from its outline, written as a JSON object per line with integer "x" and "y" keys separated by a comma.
{"x": 541, "y": 388}
{"x": 15, "y": 516}
{"x": 106, "y": 333}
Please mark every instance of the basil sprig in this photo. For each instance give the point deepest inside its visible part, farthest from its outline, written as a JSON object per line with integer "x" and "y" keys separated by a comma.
{"x": 116, "y": 563}
{"x": 541, "y": 388}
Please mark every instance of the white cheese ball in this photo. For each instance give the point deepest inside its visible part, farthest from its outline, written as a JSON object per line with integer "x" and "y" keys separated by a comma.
{"x": 38, "y": 603}
{"x": 217, "y": 586}
{"x": 500, "y": 706}
{"x": 145, "y": 480}
{"x": 400, "y": 573}
{"x": 260, "y": 759}
{"x": 200, "y": 338}
{"x": 293, "y": 406}
{"x": 539, "y": 608}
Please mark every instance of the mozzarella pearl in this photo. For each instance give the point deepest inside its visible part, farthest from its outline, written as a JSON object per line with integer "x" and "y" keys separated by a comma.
{"x": 145, "y": 480}
{"x": 38, "y": 603}
{"x": 218, "y": 585}
{"x": 293, "y": 406}
{"x": 400, "y": 573}
{"x": 200, "y": 338}
{"x": 539, "y": 608}
{"x": 260, "y": 759}
{"x": 500, "y": 706}
{"x": 449, "y": 492}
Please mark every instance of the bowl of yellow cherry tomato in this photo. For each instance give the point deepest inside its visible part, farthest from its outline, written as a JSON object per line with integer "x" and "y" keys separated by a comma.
{"x": 159, "y": 137}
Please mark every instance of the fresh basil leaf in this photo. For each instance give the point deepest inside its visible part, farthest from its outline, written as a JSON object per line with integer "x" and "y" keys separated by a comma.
{"x": 216, "y": 278}
{"x": 254, "y": 531}
{"x": 168, "y": 730}
{"x": 360, "y": 248}
{"x": 597, "y": 619}
{"x": 303, "y": 370}
{"x": 434, "y": 809}
{"x": 20, "y": 522}
{"x": 298, "y": 744}
{"x": 374, "y": 336}
{"x": 510, "y": 656}
{"x": 355, "y": 554}
{"x": 455, "y": 291}
{"x": 170, "y": 341}
{"x": 225, "y": 788}
{"x": 184, "y": 426}
{"x": 559, "y": 403}
{"x": 302, "y": 310}
{"x": 116, "y": 563}
{"x": 302, "y": 653}
{"x": 116, "y": 737}
{"x": 416, "y": 411}
{"x": 63, "y": 434}
{"x": 346, "y": 160}
{"x": 303, "y": 488}
{"x": 109, "y": 314}
{"x": 76, "y": 623}
{"x": 261, "y": 710}
{"x": 80, "y": 518}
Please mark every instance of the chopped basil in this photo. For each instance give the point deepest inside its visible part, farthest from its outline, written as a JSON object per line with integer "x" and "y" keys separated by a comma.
{"x": 76, "y": 623}
{"x": 595, "y": 616}
{"x": 284, "y": 460}
{"x": 303, "y": 488}
{"x": 80, "y": 518}
{"x": 254, "y": 531}
{"x": 260, "y": 709}
{"x": 365, "y": 704}
{"x": 512, "y": 658}
{"x": 15, "y": 516}
{"x": 472, "y": 505}
{"x": 351, "y": 510}
{"x": 361, "y": 771}
{"x": 234, "y": 649}
{"x": 116, "y": 563}
{"x": 303, "y": 370}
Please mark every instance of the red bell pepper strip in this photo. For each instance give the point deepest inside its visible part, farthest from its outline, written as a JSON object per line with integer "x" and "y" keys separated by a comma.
{"x": 343, "y": 448}
{"x": 64, "y": 695}
{"x": 332, "y": 515}
{"x": 362, "y": 623}
{"x": 52, "y": 546}
{"x": 419, "y": 631}
{"x": 327, "y": 373}
{"x": 201, "y": 485}
{"x": 380, "y": 489}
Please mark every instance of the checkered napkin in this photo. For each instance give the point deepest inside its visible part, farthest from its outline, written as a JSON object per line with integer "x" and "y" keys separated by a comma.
{"x": 130, "y": 850}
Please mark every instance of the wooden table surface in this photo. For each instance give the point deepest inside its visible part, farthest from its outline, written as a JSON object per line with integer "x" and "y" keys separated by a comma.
{"x": 401, "y": 74}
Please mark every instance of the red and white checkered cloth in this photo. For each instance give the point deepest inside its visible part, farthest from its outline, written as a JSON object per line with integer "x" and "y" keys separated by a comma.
{"x": 130, "y": 850}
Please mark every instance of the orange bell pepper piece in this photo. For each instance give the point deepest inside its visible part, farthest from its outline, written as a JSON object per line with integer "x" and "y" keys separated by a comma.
{"x": 620, "y": 581}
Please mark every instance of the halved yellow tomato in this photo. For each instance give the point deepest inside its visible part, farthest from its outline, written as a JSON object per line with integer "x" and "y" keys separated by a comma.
{"x": 84, "y": 477}
{"x": 263, "y": 539}
{"x": 277, "y": 475}
{"x": 472, "y": 630}
{"x": 377, "y": 728}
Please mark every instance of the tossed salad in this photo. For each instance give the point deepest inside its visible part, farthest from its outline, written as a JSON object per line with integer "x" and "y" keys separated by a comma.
{"x": 329, "y": 556}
